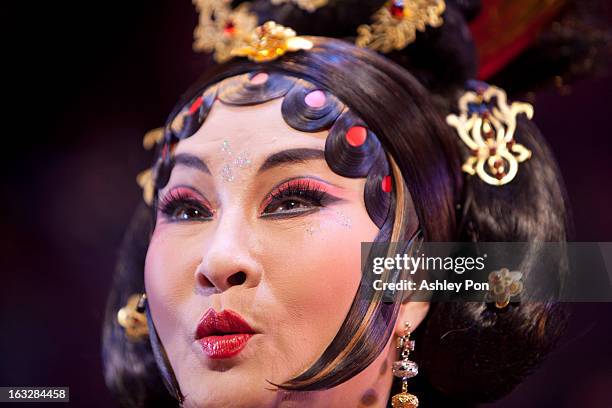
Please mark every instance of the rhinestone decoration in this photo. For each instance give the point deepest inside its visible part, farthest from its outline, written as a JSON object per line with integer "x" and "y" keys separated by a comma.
{"x": 405, "y": 369}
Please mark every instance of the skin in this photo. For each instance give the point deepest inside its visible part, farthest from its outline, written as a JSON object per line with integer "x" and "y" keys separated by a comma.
{"x": 291, "y": 277}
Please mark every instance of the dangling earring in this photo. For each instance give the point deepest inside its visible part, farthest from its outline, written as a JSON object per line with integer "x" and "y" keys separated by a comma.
{"x": 133, "y": 319}
{"x": 405, "y": 369}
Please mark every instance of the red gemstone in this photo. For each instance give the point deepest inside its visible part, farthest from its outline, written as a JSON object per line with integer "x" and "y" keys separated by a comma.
{"x": 397, "y": 10}
{"x": 500, "y": 175}
{"x": 356, "y": 136}
{"x": 386, "y": 184}
{"x": 509, "y": 144}
{"x": 195, "y": 105}
{"x": 492, "y": 151}
{"x": 498, "y": 164}
{"x": 229, "y": 28}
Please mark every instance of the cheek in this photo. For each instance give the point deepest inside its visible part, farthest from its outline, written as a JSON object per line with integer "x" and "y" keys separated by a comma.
{"x": 169, "y": 279}
{"x": 316, "y": 275}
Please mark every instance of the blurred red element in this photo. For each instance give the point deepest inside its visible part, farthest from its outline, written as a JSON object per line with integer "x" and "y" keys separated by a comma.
{"x": 505, "y": 28}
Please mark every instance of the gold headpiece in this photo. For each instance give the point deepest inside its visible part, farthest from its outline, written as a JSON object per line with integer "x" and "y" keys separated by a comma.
{"x": 228, "y": 32}
{"x": 221, "y": 28}
{"x": 270, "y": 41}
{"x": 396, "y": 23}
{"x": 486, "y": 124}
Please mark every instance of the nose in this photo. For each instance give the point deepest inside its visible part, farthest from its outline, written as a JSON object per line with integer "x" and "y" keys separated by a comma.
{"x": 228, "y": 257}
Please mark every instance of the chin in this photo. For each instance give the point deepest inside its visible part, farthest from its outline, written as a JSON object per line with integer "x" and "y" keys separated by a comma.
{"x": 221, "y": 390}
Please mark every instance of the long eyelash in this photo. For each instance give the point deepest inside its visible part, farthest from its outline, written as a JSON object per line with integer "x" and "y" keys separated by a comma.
{"x": 174, "y": 199}
{"x": 301, "y": 189}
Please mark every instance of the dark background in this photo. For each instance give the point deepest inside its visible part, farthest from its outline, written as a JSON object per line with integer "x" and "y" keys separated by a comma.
{"x": 83, "y": 82}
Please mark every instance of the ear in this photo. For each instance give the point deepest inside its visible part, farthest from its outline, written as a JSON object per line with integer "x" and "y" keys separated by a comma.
{"x": 411, "y": 312}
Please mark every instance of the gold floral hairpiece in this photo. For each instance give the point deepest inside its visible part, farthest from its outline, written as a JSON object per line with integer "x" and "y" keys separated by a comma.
{"x": 222, "y": 28}
{"x": 504, "y": 285}
{"x": 229, "y": 32}
{"x": 486, "y": 124}
{"x": 396, "y": 23}
{"x": 269, "y": 41}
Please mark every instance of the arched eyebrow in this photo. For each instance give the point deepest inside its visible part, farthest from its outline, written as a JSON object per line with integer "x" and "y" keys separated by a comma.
{"x": 191, "y": 161}
{"x": 291, "y": 156}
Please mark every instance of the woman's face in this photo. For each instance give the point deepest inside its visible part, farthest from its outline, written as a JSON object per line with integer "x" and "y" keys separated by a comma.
{"x": 255, "y": 257}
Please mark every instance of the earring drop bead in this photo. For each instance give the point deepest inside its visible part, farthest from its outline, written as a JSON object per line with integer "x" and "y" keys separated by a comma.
{"x": 405, "y": 369}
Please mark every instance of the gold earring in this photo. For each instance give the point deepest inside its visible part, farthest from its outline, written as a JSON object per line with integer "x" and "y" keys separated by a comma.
{"x": 405, "y": 369}
{"x": 133, "y": 318}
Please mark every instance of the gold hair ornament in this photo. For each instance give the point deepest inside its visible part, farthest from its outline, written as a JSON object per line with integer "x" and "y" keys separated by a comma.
{"x": 503, "y": 285}
{"x": 146, "y": 178}
{"x": 221, "y": 28}
{"x": 133, "y": 319}
{"x": 146, "y": 181}
{"x": 269, "y": 41}
{"x": 486, "y": 124}
{"x": 308, "y": 5}
{"x": 395, "y": 25}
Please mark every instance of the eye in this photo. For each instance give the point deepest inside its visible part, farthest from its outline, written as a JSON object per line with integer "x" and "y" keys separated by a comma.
{"x": 287, "y": 206}
{"x": 297, "y": 197}
{"x": 183, "y": 205}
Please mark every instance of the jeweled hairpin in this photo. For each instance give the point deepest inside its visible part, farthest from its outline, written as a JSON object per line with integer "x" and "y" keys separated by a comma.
{"x": 269, "y": 41}
{"x": 486, "y": 124}
{"x": 395, "y": 25}
{"x": 229, "y": 32}
{"x": 503, "y": 285}
{"x": 222, "y": 28}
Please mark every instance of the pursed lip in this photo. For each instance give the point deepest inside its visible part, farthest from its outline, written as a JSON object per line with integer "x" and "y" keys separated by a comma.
{"x": 223, "y": 334}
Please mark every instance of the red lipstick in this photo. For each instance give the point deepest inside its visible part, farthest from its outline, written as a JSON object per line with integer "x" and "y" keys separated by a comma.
{"x": 222, "y": 335}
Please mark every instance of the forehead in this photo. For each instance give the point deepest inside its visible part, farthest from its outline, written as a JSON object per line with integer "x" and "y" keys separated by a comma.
{"x": 259, "y": 128}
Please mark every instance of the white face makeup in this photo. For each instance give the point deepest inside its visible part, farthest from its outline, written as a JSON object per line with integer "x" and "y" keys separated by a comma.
{"x": 254, "y": 223}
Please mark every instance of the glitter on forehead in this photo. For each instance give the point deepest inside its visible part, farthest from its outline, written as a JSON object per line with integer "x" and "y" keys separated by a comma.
{"x": 242, "y": 161}
{"x": 227, "y": 173}
{"x": 225, "y": 147}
